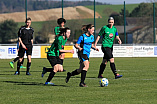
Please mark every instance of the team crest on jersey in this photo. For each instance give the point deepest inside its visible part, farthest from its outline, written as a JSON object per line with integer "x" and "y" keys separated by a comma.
{"x": 91, "y": 38}
{"x": 111, "y": 35}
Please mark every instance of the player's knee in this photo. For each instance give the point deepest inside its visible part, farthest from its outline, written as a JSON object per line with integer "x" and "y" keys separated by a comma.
{"x": 112, "y": 60}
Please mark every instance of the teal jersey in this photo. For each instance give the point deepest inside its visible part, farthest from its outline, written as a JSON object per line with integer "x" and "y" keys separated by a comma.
{"x": 58, "y": 44}
{"x": 56, "y": 30}
{"x": 108, "y": 35}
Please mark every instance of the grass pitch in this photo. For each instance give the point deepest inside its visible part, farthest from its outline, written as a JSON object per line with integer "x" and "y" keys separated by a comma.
{"x": 137, "y": 86}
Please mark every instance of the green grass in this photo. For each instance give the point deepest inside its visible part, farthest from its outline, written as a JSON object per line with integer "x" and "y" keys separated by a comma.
{"x": 137, "y": 86}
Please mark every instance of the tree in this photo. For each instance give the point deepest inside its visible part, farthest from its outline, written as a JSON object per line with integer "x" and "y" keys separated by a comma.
{"x": 8, "y": 30}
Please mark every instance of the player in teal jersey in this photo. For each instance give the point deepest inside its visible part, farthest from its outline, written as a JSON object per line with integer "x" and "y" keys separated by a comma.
{"x": 53, "y": 54}
{"x": 61, "y": 22}
{"x": 85, "y": 41}
{"x": 108, "y": 32}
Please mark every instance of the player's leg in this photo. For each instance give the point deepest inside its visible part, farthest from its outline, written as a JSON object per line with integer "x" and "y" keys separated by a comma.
{"x": 21, "y": 55}
{"x": 83, "y": 73}
{"x": 22, "y": 64}
{"x": 28, "y": 64}
{"x": 75, "y": 72}
{"x": 51, "y": 75}
{"x": 28, "y": 53}
{"x": 12, "y": 62}
{"x": 52, "y": 61}
{"x": 61, "y": 56}
{"x": 103, "y": 64}
{"x": 112, "y": 64}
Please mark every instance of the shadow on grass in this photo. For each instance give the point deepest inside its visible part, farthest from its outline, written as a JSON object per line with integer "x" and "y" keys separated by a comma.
{"x": 31, "y": 83}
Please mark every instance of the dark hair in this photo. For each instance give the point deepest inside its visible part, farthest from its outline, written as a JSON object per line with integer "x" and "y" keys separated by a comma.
{"x": 86, "y": 27}
{"x": 27, "y": 19}
{"x": 60, "y": 20}
{"x": 63, "y": 31}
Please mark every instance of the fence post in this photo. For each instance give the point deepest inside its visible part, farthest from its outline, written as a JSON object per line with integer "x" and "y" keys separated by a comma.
{"x": 154, "y": 21}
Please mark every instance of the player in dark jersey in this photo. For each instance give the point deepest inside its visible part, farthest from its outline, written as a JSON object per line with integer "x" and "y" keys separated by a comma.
{"x": 53, "y": 54}
{"x": 25, "y": 35}
{"x": 109, "y": 32}
{"x": 61, "y": 22}
{"x": 85, "y": 41}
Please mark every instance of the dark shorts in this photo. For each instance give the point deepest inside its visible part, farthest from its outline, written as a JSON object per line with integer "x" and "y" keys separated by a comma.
{"x": 107, "y": 52}
{"x": 82, "y": 57}
{"x": 54, "y": 60}
{"x": 22, "y": 51}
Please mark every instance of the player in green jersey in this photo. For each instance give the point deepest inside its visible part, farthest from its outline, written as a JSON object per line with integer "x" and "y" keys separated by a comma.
{"x": 61, "y": 22}
{"x": 108, "y": 32}
{"x": 53, "y": 54}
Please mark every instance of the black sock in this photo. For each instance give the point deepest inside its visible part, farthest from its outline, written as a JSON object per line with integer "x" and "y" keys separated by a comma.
{"x": 74, "y": 73}
{"x": 28, "y": 66}
{"x": 18, "y": 66}
{"x": 61, "y": 61}
{"x": 113, "y": 68}
{"x": 17, "y": 58}
{"x": 22, "y": 61}
{"x": 51, "y": 75}
{"x": 49, "y": 69}
{"x": 83, "y": 75}
{"x": 102, "y": 68}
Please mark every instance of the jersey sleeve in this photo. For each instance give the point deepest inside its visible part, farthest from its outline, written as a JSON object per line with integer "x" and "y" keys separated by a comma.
{"x": 32, "y": 33}
{"x": 56, "y": 30}
{"x": 101, "y": 32}
{"x": 116, "y": 32}
{"x": 20, "y": 33}
{"x": 80, "y": 40}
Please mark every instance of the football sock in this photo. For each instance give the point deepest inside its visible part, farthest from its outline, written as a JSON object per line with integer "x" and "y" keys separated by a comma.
{"x": 51, "y": 75}
{"x": 61, "y": 61}
{"x": 49, "y": 69}
{"x": 83, "y": 75}
{"x": 17, "y": 58}
{"x": 18, "y": 65}
{"x": 22, "y": 61}
{"x": 113, "y": 68}
{"x": 102, "y": 68}
{"x": 74, "y": 73}
{"x": 28, "y": 66}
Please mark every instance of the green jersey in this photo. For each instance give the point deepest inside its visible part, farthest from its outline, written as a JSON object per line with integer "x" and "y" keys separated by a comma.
{"x": 108, "y": 35}
{"x": 56, "y": 30}
{"x": 58, "y": 44}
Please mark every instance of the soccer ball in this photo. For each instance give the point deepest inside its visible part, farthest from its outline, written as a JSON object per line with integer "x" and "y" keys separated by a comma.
{"x": 104, "y": 82}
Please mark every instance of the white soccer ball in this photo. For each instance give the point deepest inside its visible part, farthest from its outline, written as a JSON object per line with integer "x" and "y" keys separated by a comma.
{"x": 104, "y": 82}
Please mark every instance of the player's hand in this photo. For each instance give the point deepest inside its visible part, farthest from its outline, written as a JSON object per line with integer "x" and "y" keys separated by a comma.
{"x": 120, "y": 42}
{"x": 72, "y": 51}
{"x": 80, "y": 49}
{"x": 96, "y": 49}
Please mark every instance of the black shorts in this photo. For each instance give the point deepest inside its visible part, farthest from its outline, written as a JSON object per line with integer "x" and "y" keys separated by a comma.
{"x": 107, "y": 52}
{"x": 22, "y": 51}
{"x": 54, "y": 60}
{"x": 82, "y": 57}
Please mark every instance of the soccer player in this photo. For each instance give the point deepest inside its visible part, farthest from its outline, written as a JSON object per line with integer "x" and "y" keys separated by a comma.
{"x": 84, "y": 44}
{"x": 53, "y": 54}
{"x": 61, "y": 22}
{"x": 108, "y": 32}
{"x": 17, "y": 58}
{"x": 25, "y": 35}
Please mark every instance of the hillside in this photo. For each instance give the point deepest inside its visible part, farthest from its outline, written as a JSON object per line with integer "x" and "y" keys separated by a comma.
{"x": 78, "y": 12}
